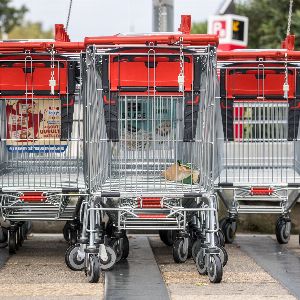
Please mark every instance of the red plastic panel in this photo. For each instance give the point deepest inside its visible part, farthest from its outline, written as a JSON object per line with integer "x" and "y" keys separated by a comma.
{"x": 242, "y": 80}
{"x": 152, "y": 216}
{"x": 19, "y": 76}
{"x": 151, "y": 202}
{"x": 33, "y": 197}
{"x": 143, "y": 71}
{"x": 263, "y": 191}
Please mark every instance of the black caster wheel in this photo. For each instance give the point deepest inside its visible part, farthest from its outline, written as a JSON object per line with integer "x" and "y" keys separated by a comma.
{"x": 223, "y": 256}
{"x": 217, "y": 239}
{"x": 167, "y": 236}
{"x": 66, "y": 231}
{"x": 93, "y": 269}
{"x": 283, "y": 230}
{"x": 17, "y": 234}
{"x": 72, "y": 260}
{"x": 222, "y": 223}
{"x": 12, "y": 242}
{"x": 116, "y": 245}
{"x": 180, "y": 251}
{"x": 3, "y": 237}
{"x": 229, "y": 230}
{"x": 110, "y": 260}
{"x": 28, "y": 228}
{"x": 125, "y": 244}
{"x": 190, "y": 245}
{"x": 110, "y": 228}
{"x": 221, "y": 238}
{"x": 73, "y": 237}
{"x": 121, "y": 248}
{"x": 196, "y": 248}
{"x": 23, "y": 232}
{"x": 19, "y": 237}
{"x": 215, "y": 269}
{"x": 70, "y": 233}
{"x": 200, "y": 261}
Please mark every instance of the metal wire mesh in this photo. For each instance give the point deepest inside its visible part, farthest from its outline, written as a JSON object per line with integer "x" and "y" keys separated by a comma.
{"x": 131, "y": 143}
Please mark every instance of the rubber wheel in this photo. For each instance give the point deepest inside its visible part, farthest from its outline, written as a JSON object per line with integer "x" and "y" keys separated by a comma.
{"x": 221, "y": 238}
{"x": 195, "y": 249}
{"x": 93, "y": 269}
{"x": 28, "y": 228}
{"x": 20, "y": 237}
{"x": 222, "y": 223}
{"x": 283, "y": 231}
{"x": 215, "y": 269}
{"x": 70, "y": 233}
{"x": 229, "y": 230}
{"x": 71, "y": 258}
{"x": 167, "y": 236}
{"x": 200, "y": 262}
{"x": 125, "y": 252}
{"x": 111, "y": 260}
{"x": 73, "y": 237}
{"x": 120, "y": 253}
{"x": 12, "y": 245}
{"x": 179, "y": 253}
{"x": 217, "y": 239}
{"x": 223, "y": 256}
{"x": 66, "y": 231}
{"x": 190, "y": 245}
{"x": 115, "y": 244}
{"x": 23, "y": 233}
{"x": 109, "y": 230}
{"x": 17, "y": 234}
{"x": 3, "y": 237}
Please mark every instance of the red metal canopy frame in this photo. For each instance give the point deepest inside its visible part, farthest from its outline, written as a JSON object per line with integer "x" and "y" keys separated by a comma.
{"x": 62, "y": 41}
{"x": 286, "y": 53}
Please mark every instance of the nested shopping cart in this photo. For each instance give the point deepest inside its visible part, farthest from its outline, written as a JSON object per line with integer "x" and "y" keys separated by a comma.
{"x": 148, "y": 147}
{"x": 260, "y": 103}
{"x": 41, "y": 135}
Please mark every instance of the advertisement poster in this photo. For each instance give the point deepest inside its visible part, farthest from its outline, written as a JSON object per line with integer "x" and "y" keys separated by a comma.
{"x": 34, "y": 125}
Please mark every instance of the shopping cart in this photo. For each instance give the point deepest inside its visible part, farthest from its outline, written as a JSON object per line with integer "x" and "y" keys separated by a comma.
{"x": 41, "y": 174}
{"x": 260, "y": 113}
{"x": 149, "y": 141}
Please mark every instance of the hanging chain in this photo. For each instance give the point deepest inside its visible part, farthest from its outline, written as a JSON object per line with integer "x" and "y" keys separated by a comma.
{"x": 181, "y": 61}
{"x": 69, "y": 14}
{"x": 181, "y": 56}
{"x": 52, "y": 81}
{"x": 286, "y": 86}
{"x": 286, "y": 69}
{"x": 290, "y": 18}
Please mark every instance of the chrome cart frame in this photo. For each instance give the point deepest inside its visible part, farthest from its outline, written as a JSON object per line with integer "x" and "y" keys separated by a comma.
{"x": 41, "y": 139}
{"x": 260, "y": 158}
{"x": 132, "y": 136}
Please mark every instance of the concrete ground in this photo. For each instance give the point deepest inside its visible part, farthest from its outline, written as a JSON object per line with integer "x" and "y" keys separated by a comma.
{"x": 38, "y": 271}
{"x": 293, "y": 244}
{"x": 242, "y": 279}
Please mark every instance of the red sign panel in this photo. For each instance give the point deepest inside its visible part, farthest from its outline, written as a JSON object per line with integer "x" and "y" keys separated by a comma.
{"x": 219, "y": 28}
